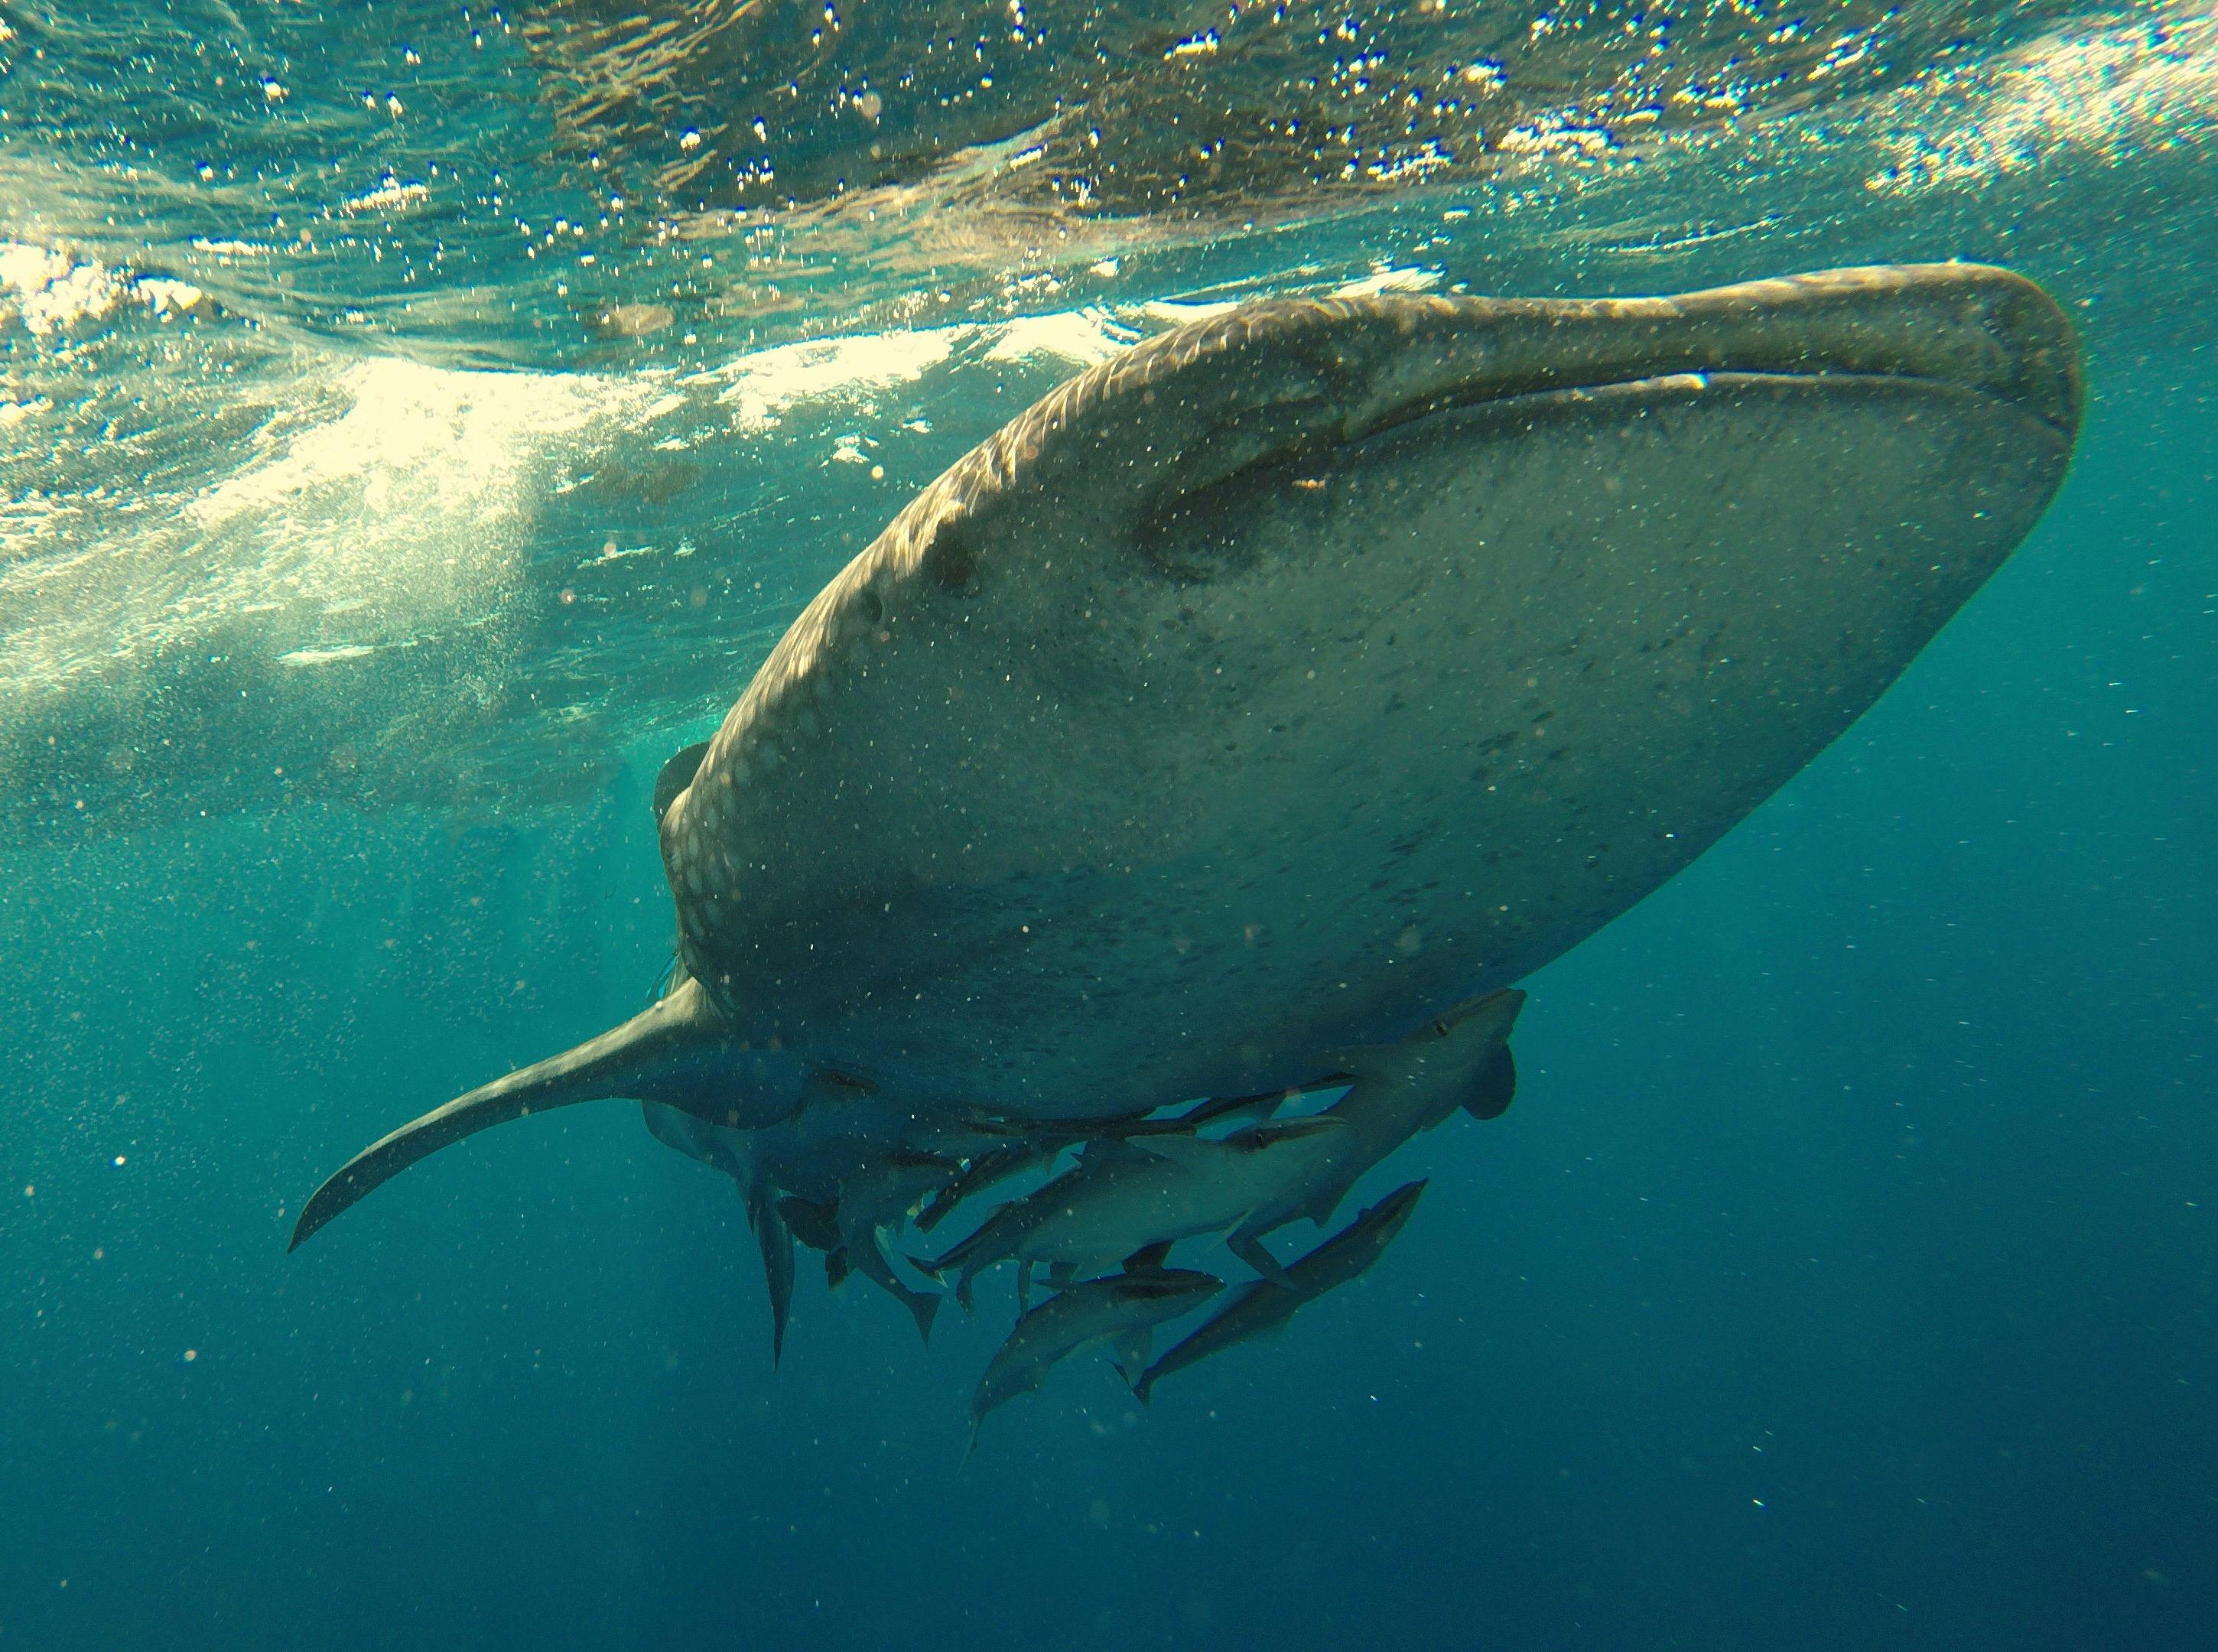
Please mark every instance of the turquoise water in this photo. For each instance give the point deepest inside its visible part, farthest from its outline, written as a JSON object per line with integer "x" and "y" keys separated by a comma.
{"x": 1843, "y": 1275}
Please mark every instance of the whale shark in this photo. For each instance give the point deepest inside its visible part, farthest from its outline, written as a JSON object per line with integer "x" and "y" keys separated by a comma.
{"x": 1299, "y": 672}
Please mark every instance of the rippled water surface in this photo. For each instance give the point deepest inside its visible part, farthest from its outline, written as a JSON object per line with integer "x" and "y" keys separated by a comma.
{"x": 415, "y": 421}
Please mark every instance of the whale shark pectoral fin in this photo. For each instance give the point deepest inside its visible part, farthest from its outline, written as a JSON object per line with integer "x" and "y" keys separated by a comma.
{"x": 677, "y": 774}
{"x": 1495, "y": 1088}
{"x": 663, "y": 1054}
{"x": 1260, "y": 1138}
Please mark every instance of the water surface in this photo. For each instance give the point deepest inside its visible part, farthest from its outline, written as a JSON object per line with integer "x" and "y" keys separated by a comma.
{"x": 408, "y": 438}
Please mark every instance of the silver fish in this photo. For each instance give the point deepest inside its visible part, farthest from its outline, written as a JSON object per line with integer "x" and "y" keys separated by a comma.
{"x": 1262, "y": 1308}
{"x": 1119, "y": 1308}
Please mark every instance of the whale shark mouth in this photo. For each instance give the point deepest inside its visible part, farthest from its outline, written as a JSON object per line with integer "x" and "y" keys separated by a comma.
{"x": 1168, "y": 525}
{"x": 1948, "y": 328}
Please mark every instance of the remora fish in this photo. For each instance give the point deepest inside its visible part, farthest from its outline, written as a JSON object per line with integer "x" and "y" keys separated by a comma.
{"x": 833, "y": 1177}
{"x": 1303, "y": 669}
{"x": 1160, "y": 1188}
{"x": 879, "y": 1193}
{"x": 1122, "y": 1307}
{"x": 1127, "y": 1196}
{"x": 1459, "y": 1059}
{"x": 1262, "y": 1308}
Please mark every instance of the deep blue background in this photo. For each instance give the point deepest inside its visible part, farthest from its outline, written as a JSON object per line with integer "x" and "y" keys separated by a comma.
{"x": 1843, "y": 1277}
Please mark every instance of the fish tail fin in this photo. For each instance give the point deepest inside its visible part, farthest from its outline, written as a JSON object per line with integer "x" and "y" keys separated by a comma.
{"x": 935, "y": 1267}
{"x": 1132, "y": 1352}
{"x": 923, "y": 1307}
{"x": 869, "y": 1260}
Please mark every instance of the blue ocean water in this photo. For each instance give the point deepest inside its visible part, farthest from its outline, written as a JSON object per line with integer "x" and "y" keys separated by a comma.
{"x": 1843, "y": 1275}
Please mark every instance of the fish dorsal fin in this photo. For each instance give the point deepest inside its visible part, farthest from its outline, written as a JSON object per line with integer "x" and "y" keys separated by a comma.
{"x": 1259, "y": 1138}
{"x": 1253, "y": 1109}
{"x": 677, "y": 774}
{"x": 1106, "y": 1150}
{"x": 1131, "y": 1350}
{"x": 1191, "y": 1153}
{"x": 1149, "y": 1258}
